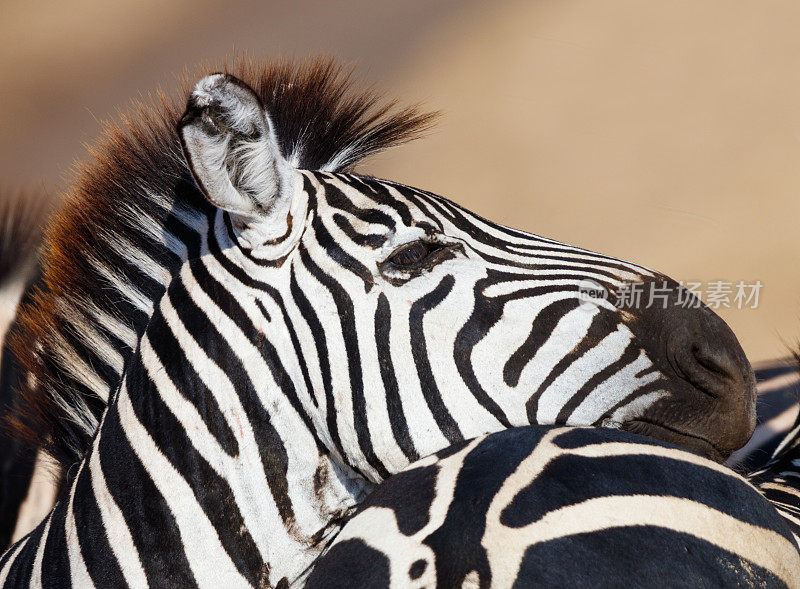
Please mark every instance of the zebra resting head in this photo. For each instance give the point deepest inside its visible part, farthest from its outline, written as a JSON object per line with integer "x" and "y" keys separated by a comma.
{"x": 449, "y": 325}
{"x": 237, "y": 336}
{"x": 406, "y": 323}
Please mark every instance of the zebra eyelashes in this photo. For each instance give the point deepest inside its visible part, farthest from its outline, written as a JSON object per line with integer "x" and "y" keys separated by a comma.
{"x": 418, "y": 255}
{"x": 411, "y": 255}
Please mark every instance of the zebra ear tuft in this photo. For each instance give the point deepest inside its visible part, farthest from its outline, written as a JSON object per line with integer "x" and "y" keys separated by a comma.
{"x": 231, "y": 149}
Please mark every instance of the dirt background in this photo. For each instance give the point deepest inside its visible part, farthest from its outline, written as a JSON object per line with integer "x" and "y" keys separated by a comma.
{"x": 662, "y": 132}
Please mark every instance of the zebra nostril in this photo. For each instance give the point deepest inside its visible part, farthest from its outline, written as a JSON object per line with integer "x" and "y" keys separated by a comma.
{"x": 704, "y": 351}
{"x": 709, "y": 370}
{"x": 716, "y": 361}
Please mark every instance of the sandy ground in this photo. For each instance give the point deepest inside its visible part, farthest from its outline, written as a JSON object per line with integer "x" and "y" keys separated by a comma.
{"x": 665, "y": 133}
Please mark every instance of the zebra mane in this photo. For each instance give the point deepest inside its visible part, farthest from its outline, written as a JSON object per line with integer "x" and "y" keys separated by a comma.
{"x": 111, "y": 250}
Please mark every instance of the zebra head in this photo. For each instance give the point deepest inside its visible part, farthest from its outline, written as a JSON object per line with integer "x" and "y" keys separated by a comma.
{"x": 417, "y": 324}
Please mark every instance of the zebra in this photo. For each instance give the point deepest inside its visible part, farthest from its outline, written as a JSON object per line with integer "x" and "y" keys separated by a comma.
{"x": 778, "y": 385}
{"x": 550, "y": 506}
{"x": 779, "y": 480}
{"x": 239, "y": 337}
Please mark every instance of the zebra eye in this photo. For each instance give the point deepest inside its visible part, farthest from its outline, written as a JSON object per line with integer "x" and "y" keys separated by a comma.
{"x": 413, "y": 254}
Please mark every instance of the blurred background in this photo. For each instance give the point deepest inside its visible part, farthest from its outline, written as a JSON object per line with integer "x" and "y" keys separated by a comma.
{"x": 666, "y": 133}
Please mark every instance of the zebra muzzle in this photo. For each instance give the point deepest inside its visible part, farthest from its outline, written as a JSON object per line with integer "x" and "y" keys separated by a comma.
{"x": 711, "y": 405}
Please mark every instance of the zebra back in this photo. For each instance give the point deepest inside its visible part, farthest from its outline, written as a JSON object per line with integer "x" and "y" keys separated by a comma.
{"x": 542, "y": 506}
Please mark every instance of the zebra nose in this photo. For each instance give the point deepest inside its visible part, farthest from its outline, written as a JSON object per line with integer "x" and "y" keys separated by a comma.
{"x": 710, "y": 405}
{"x": 705, "y": 352}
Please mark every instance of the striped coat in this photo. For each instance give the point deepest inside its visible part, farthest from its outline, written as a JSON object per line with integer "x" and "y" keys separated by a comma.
{"x": 551, "y": 507}
{"x": 237, "y": 338}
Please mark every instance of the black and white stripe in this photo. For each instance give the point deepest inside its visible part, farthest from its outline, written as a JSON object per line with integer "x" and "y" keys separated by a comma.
{"x": 542, "y": 506}
{"x": 778, "y": 383}
{"x": 779, "y": 480}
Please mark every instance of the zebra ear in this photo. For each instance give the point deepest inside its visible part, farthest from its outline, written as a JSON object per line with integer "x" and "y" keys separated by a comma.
{"x": 231, "y": 148}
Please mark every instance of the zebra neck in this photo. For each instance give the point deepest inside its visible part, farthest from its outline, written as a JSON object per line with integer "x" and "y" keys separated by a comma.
{"x": 189, "y": 490}
{"x": 223, "y": 407}
{"x": 89, "y": 320}
{"x": 144, "y": 508}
